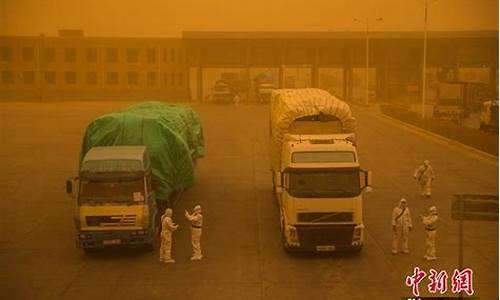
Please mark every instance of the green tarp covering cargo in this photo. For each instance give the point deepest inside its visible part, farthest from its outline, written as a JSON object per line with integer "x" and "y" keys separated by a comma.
{"x": 172, "y": 134}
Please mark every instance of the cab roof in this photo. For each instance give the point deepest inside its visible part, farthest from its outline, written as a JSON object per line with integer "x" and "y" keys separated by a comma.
{"x": 116, "y": 159}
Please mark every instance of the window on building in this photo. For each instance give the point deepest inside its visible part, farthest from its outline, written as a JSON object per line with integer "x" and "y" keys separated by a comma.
{"x": 180, "y": 56}
{"x": 172, "y": 79}
{"x": 28, "y": 53}
{"x": 165, "y": 78}
{"x": 91, "y": 55}
{"x": 28, "y": 77}
{"x": 151, "y": 78}
{"x": 112, "y": 77}
{"x": 7, "y": 77}
{"x": 91, "y": 77}
{"x": 5, "y": 53}
{"x": 133, "y": 78}
{"x": 165, "y": 55}
{"x": 49, "y": 54}
{"x": 70, "y": 55}
{"x": 132, "y": 55}
{"x": 50, "y": 77}
{"x": 70, "y": 77}
{"x": 111, "y": 54}
{"x": 172, "y": 55}
{"x": 151, "y": 53}
{"x": 180, "y": 79}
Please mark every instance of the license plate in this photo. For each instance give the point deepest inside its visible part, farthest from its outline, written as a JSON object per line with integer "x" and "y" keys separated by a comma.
{"x": 325, "y": 248}
{"x": 111, "y": 242}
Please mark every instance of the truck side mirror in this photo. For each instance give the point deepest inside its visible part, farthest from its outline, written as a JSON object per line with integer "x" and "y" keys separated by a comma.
{"x": 69, "y": 186}
{"x": 368, "y": 177}
{"x": 365, "y": 180}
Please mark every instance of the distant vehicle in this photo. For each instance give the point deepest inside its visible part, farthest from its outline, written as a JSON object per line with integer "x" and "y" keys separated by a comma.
{"x": 489, "y": 116}
{"x": 264, "y": 86}
{"x": 317, "y": 179}
{"x": 456, "y": 99}
{"x": 226, "y": 87}
{"x": 264, "y": 91}
{"x": 449, "y": 104}
{"x": 222, "y": 92}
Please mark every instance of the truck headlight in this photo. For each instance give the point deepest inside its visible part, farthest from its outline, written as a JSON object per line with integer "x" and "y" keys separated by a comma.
{"x": 357, "y": 233}
{"x": 292, "y": 236}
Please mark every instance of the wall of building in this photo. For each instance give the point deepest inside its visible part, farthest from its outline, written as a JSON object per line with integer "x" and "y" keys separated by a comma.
{"x": 60, "y": 68}
{"x": 77, "y": 67}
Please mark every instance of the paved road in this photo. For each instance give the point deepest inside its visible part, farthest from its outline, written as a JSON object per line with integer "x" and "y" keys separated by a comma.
{"x": 244, "y": 259}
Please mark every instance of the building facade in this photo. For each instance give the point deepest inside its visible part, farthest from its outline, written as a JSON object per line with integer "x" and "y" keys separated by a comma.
{"x": 89, "y": 68}
{"x": 61, "y": 68}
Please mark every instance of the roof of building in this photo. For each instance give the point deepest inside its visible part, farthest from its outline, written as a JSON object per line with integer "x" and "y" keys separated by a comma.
{"x": 190, "y": 35}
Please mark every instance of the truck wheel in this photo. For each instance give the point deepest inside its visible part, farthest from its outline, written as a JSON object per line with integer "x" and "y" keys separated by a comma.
{"x": 89, "y": 250}
{"x": 150, "y": 246}
{"x": 356, "y": 250}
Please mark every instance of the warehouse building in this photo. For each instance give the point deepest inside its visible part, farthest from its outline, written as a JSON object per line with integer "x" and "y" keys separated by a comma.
{"x": 73, "y": 66}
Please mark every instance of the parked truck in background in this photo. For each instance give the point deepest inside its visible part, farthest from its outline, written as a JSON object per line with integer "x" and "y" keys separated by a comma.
{"x": 489, "y": 116}
{"x": 133, "y": 164}
{"x": 317, "y": 179}
{"x": 457, "y": 99}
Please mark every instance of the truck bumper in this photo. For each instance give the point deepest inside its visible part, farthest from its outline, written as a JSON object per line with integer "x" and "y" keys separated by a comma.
{"x": 101, "y": 239}
{"x": 328, "y": 238}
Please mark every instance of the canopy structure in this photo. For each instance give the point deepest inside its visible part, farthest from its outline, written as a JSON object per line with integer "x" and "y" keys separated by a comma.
{"x": 288, "y": 105}
{"x": 172, "y": 134}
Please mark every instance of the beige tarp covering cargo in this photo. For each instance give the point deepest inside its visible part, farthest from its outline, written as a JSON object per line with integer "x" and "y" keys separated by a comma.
{"x": 288, "y": 105}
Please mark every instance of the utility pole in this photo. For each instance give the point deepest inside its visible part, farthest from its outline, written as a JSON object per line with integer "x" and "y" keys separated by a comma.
{"x": 426, "y": 4}
{"x": 367, "y": 56}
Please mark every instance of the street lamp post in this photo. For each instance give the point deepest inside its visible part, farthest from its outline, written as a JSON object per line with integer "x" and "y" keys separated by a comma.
{"x": 367, "y": 57}
{"x": 426, "y": 4}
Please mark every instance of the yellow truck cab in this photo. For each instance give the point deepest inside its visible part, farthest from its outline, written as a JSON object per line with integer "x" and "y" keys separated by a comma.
{"x": 317, "y": 178}
{"x": 115, "y": 204}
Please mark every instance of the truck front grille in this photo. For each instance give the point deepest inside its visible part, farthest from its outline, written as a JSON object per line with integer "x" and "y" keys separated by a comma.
{"x": 111, "y": 221}
{"x": 322, "y": 217}
{"x": 337, "y": 235}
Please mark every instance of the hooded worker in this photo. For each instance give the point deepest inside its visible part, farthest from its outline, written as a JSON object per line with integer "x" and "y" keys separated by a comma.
{"x": 401, "y": 226}
{"x": 425, "y": 175}
{"x": 167, "y": 227}
{"x": 430, "y": 223}
{"x": 196, "y": 219}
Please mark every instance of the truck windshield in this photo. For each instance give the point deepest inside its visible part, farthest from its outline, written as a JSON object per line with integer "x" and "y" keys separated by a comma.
{"x": 324, "y": 184}
{"x": 122, "y": 190}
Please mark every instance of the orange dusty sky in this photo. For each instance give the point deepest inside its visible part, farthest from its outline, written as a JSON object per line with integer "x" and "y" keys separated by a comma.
{"x": 159, "y": 18}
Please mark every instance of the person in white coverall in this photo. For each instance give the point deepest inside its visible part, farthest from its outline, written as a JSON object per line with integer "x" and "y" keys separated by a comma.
{"x": 430, "y": 223}
{"x": 401, "y": 226}
{"x": 167, "y": 227}
{"x": 196, "y": 219}
{"x": 425, "y": 175}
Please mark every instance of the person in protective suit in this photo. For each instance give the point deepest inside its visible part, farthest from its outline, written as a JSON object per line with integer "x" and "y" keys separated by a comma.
{"x": 401, "y": 226}
{"x": 167, "y": 227}
{"x": 425, "y": 175}
{"x": 196, "y": 219}
{"x": 430, "y": 223}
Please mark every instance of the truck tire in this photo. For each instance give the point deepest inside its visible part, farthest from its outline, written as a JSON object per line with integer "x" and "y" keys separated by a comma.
{"x": 151, "y": 246}
{"x": 89, "y": 250}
